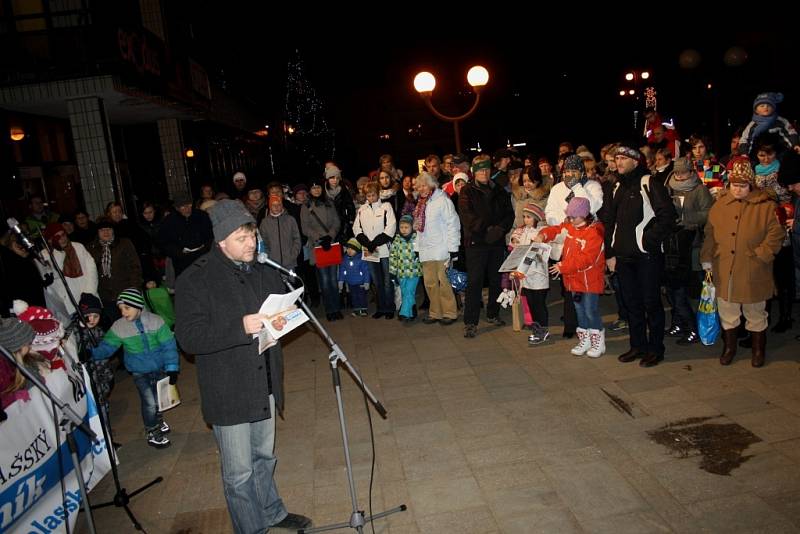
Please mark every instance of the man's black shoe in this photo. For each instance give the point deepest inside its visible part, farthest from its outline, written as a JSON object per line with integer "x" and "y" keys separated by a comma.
{"x": 430, "y": 320}
{"x": 630, "y": 355}
{"x": 447, "y": 321}
{"x": 294, "y": 522}
{"x": 651, "y": 359}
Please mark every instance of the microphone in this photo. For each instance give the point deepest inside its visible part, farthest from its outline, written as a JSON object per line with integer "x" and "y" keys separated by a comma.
{"x": 13, "y": 224}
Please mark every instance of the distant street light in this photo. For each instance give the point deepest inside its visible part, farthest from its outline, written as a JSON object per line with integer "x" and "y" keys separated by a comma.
{"x": 425, "y": 83}
{"x": 649, "y": 92}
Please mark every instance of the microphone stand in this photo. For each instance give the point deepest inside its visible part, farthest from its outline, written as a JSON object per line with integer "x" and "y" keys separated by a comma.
{"x": 70, "y": 422}
{"x": 121, "y": 496}
{"x": 335, "y": 358}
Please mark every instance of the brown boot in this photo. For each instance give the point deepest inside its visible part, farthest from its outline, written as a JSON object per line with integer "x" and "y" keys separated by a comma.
{"x": 759, "y": 348}
{"x": 728, "y": 347}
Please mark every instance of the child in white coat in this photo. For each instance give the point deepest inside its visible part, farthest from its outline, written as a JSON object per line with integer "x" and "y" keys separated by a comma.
{"x": 536, "y": 284}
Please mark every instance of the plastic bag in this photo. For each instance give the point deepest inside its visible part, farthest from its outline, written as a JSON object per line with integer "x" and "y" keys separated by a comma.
{"x": 707, "y": 317}
{"x": 458, "y": 280}
{"x": 398, "y": 297}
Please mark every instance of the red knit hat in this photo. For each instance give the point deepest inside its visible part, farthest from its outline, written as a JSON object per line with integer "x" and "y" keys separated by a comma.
{"x": 52, "y": 230}
{"x": 49, "y": 331}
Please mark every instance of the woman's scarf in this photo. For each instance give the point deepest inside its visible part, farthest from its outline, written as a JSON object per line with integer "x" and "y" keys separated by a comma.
{"x": 419, "y": 213}
{"x": 72, "y": 265}
{"x": 765, "y": 170}
{"x": 105, "y": 260}
{"x": 684, "y": 185}
{"x": 333, "y": 192}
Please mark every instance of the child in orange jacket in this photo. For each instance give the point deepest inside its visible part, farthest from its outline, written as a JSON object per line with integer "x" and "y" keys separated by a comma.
{"x": 582, "y": 265}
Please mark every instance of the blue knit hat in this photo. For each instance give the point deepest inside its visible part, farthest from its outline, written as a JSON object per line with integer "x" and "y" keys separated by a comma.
{"x": 773, "y": 99}
{"x": 407, "y": 219}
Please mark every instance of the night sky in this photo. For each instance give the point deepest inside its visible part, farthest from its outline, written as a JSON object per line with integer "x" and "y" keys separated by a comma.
{"x": 541, "y": 91}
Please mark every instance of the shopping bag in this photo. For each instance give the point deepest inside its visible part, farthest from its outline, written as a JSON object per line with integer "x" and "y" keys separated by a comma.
{"x": 398, "y": 297}
{"x": 160, "y": 302}
{"x": 707, "y": 316}
{"x": 517, "y": 315}
{"x": 326, "y": 258}
{"x": 458, "y": 279}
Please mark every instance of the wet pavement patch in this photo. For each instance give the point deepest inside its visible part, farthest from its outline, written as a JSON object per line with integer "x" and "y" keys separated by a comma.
{"x": 619, "y": 404}
{"x": 720, "y": 445}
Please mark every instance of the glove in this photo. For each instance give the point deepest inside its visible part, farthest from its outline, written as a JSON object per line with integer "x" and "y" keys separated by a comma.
{"x": 494, "y": 234}
{"x": 325, "y": 243}
{"x": 341, "y": 286}
{"x": 173, "y": 377}
{"x": 365, "y": 286}
{"x": 372, "y": 247}
{"x": 47, "y": 280}
{"x": 393, "y": 278}
{"x": 453, "y": 257}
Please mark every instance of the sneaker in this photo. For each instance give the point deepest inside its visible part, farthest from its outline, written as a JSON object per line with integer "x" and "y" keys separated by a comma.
{"x": 619, "y": 324}
{"x": 497, "y": 321}
{"x": 164, "y": 428}
{"x": 293, "y": 522}
{"x": 156, "y": 439}
{"x": 597, "y": 339}
{"x": 584, "y": 342}
{"x": 470, "y": 330}
{"x": 674, "y": 331}
{"x": 689, "y": 339}
{"x": 540, "y": 335}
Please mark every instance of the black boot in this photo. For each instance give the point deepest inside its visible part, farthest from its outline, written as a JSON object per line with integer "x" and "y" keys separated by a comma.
{"x": 759, "y": 348}
{"x": 728, "y": 347}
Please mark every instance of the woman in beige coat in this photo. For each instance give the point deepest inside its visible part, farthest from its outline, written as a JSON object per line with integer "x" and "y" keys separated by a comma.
{"x": 742, "y": 236}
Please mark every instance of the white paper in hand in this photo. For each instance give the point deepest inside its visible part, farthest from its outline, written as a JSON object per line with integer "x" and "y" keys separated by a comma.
{"x": 283, "y": 316}
{"x": 168, "y": 396}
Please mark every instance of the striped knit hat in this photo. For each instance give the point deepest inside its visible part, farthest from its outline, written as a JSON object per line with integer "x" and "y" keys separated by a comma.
{"x": 131, "y": 297}
{"x": 535, "y": 211}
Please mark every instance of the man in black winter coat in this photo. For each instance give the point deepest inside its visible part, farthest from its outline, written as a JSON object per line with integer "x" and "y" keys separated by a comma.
{"x": 486, "y": 217}
{"x": 185, "y": 234}
{"x": 241, "y": 390}
{"x": 638, "y": 217}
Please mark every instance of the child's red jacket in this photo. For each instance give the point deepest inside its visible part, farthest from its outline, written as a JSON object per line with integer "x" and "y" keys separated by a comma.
{"x": 583, "y": 260}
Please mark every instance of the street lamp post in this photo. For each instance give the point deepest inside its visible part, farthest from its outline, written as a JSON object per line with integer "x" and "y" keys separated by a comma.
{"x": 636, "y": 77}
{"x": 425, "y": 82}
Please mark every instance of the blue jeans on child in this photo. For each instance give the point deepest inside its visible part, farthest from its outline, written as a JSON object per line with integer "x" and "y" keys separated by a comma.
{"x": 358, "y": 297}
{"x": 146, "y": 384}
{"x": 248, "y": 466}
{"x": 408, "y": 290}
{"x": 588, "y": 311}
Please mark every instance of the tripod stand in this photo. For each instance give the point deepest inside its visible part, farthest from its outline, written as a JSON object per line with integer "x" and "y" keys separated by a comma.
{"x": 335, "y": 358}
{"x": 70, "y": 422}
{"x": 121, "y": 496}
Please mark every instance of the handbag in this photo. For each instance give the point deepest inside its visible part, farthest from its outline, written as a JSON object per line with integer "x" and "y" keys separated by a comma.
{"x": 707, "y": 316}
{"x": 326, "y": 258}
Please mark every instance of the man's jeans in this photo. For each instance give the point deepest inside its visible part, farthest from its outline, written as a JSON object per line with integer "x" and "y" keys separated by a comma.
{"x": 248, "y": 466}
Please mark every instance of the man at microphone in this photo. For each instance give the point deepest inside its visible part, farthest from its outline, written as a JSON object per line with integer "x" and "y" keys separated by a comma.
{"x": 241, "y": 391}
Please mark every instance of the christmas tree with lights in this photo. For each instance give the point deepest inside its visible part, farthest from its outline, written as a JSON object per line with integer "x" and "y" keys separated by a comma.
{"x": 310, "y": 141}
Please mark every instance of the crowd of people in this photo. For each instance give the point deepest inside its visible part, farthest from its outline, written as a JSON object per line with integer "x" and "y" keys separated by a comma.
{"x": 646, "y": 221}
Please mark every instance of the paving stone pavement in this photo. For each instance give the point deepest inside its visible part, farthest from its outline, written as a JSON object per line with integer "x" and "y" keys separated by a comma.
{"x": 490, "y": 435}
